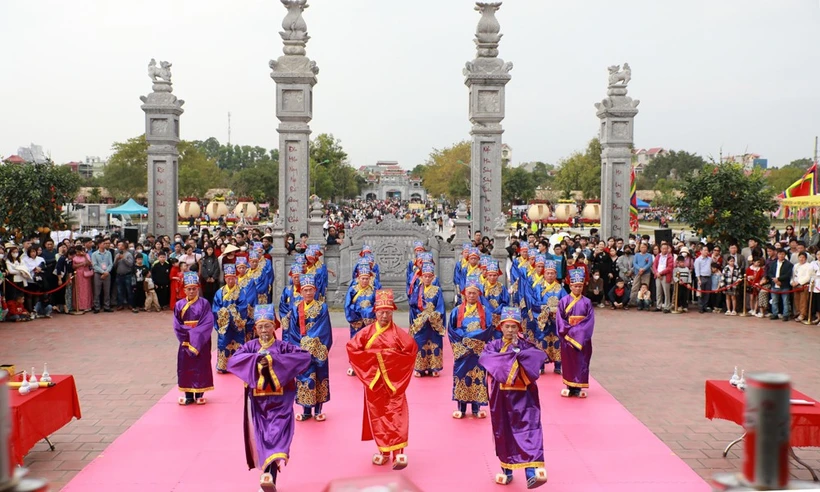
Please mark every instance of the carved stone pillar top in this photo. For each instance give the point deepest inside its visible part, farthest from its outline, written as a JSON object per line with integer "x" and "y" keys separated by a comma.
{"x": 487, "y": 68}
{"x": 617, "y": 102}
{"x": 294, "y": 37}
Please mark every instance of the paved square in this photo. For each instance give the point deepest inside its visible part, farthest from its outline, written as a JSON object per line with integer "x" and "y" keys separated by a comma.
{"x": 654, "y": 364}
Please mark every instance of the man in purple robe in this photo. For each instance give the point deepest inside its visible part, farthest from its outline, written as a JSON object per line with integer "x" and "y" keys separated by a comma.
{"x": 576, "y": 320}
{"x": 193, "y": 322}
{"x": 269, "y": 368}
{"x": 514, "y": 365}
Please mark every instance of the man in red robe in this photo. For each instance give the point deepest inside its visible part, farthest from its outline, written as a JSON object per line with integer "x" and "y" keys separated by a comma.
{"x": 382, "y": 356}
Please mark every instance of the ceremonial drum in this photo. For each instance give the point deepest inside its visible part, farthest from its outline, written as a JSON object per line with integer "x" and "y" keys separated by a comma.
{"x": 563, "y": 211}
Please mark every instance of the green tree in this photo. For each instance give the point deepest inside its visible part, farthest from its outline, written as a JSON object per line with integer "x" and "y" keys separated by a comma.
{"x": 447, "y": 171}
{"x": 33, "y": 197}
{"x": 781, "y": 178}
{"x": 725, "y": 204}
{"x": 542, "y": 174}
{"x": 678, "y": 165}
{"x": 197, "y": 172}
{"x": 261, "y": 179}
{"x": 94, "y": 195}
{"x": 581, "y": 172}
{"x": 517, "y": 184}
{"x": 126, "y": 174}
{"x": 804, "y": 163}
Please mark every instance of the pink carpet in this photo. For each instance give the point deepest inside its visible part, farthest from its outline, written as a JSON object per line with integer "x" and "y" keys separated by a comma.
{"x": 591, "y": 445}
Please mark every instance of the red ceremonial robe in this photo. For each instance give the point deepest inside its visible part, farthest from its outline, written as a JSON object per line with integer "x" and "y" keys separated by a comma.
{"x": 383, "y": 360}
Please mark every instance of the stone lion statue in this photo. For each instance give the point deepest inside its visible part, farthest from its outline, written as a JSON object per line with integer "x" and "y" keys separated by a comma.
{"x": 162, "y": 72}
{"x": 616, "y": 75}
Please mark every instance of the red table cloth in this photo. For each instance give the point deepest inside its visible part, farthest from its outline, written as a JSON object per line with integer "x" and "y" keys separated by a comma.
{"x": 37, "y": 415}
{"x": 724, "y": 401}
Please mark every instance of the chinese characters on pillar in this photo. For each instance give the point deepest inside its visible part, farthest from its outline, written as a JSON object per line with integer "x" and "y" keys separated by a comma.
{"x": 160, "y": 200}
{"x": 293, "y": 202}
{"x": 486, "y": 189}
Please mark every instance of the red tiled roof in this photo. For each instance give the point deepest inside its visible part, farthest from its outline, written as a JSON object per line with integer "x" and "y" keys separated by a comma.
{"x": 654, "y": 150}
{"x": 15, "y": 159}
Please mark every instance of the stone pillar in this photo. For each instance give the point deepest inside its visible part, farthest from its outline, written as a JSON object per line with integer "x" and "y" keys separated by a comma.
{"x": 486, "y": 77}
{"x": 295, "y": 76}
{"x": 462, "y": 226}
{"x": 162, "y": 110}
{"x": 279, "y": 257}
{"x": 617, "y": 113}
{"x": 316, "y": 234}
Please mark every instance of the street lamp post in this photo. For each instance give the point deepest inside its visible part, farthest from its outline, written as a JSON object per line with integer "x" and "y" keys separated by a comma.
{"x": 326, "y": 161}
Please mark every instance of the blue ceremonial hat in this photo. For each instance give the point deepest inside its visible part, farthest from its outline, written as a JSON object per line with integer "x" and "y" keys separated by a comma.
{"x": 426, "y": 256}
{"x": 229, "y": 269}
{"x": 264, "y": 312}
{"x": 474, "y": 252}
{"x": 510, "y": 314}
{"x": 485, "y": 260}
{"x": 540, "y": 259}
{"x": 258, "y": 245}
{"x": 492, "y": 266}
{"x": 253, "y": 255}
{"x": 550, "y": 265}
{"x": 367, "y": 258}
{"x": 300, "y": 260}
{"x": 311, "y": 251}
{"x": 241, "y": 260}
{"x": 466, "y": 246}
{"x": 364, "y": 269}
{"x": 474, "y": 282}
{"x": 190, "y": 278}
{"x": 428, "y": 267}
{"x": 296, "y": 269}
{"x": 366, "y": 249}
{"x": 418, "y": 245}
{"x": 577, "y": 276}
{"x": 307, "y": 280}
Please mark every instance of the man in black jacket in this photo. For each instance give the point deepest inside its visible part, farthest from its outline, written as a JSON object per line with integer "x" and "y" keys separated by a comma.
{"x": 780, "y": 275}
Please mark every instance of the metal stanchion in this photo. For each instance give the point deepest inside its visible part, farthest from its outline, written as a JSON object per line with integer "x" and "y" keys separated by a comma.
{"x": 675, "y": 295}
{"x": 743, "y": 312}
{"x": 807, "y": 321}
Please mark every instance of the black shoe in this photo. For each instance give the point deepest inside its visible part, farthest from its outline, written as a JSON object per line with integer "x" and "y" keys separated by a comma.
{"x": 785, "y": 318}
{"x": 773, "y": 317}
{"x": 109, "y": 310}
{"x": 96, "y": 311}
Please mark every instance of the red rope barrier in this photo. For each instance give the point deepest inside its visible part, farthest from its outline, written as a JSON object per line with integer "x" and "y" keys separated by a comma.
{"x": 721, "y": 289}
{"x": 39, "y": 293}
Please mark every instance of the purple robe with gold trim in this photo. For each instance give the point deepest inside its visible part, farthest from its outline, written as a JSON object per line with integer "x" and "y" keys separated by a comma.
{"x": 269, "y": 396}
{"x": 515, "y": 409}
{"x": 193, "y": 323}
{"x": 576, "y": 321}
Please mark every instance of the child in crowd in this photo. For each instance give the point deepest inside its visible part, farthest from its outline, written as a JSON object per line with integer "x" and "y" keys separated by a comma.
{"x": 717, "y": 282}
{"x": 16, "y": 309}
{"x": 754, "y": 276}
{"x": 731, "y": 274}
{"x": 43, "y": 307}
{"x": 619, "y": 295}
{"x": 682, "y": 276}
{"x": 595, "y": 289}
{"x": 151, "y": 300}
{"x": 140, "y": 271}
{"x": 644, "y": 298}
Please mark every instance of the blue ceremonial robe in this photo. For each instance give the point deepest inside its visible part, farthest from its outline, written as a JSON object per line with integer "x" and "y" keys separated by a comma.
{"x": 498, "y": 298}
{"x": 233, "y": 315}
{"x": 320, "y": 271}
{"x": 469, "y": 331}
{"x": 286, "y": 301}
{"x": 427, "y": 327}
{"x": 359, "y": 310}
{"x": 309, "y": 328}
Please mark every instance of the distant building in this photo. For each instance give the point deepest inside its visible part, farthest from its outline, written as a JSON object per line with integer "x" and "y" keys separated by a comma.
{"x": 642, "y": 157}
{"x": 14, "y": 159}
{"x": 745, "y": 160}
{"x": 761, "y": 163}
{"x": 93, "y": 167}
{"x": 388, "y": 181}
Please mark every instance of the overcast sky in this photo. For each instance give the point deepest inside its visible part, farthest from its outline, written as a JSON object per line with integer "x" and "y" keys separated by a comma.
{"x": 741, "y": 75}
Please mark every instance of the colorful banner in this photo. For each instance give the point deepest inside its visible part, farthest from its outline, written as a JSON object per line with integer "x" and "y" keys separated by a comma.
{"x": 633, "y": 202}
{"x": 805, "y": 186}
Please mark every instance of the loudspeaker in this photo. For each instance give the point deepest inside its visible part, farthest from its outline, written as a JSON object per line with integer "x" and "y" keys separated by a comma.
{"x": 662, "y": 235}
{"x": 132, "y": 234}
